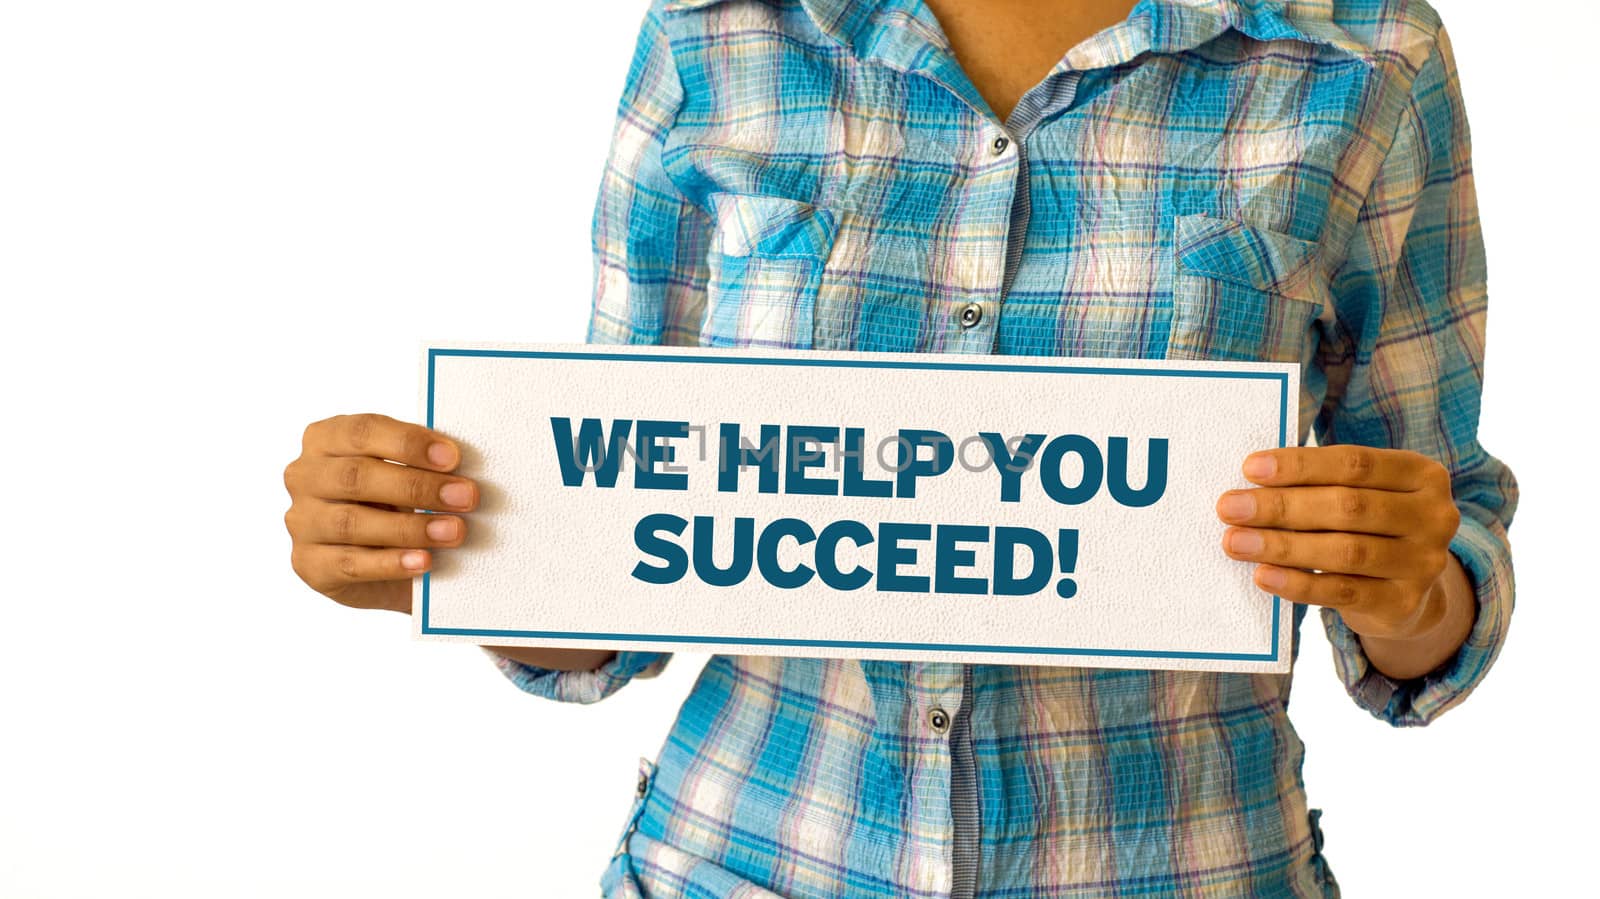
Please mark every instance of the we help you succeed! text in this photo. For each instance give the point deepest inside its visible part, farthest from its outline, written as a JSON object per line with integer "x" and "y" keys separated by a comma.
{"x": 1071, "y": 469}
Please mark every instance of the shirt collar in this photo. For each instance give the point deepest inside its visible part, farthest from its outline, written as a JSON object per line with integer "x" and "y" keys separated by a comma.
{"x": 1157, "y": 25}
{"x": 1308, "y": 21}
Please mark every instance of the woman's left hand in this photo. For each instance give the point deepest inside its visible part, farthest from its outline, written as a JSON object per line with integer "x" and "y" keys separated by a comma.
{"x": 1362, "y": 530}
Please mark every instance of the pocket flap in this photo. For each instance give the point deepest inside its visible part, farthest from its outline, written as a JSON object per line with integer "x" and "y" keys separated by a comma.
{"x": 1231, "y": 250}
{"x": 772, "y": 226}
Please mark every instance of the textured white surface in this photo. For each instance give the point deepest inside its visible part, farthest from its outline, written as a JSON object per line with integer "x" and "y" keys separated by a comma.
{"x": 550, "y": 564}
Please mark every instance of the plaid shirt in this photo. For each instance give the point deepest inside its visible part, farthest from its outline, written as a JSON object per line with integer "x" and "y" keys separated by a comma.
{"x": 1207, "y": 179}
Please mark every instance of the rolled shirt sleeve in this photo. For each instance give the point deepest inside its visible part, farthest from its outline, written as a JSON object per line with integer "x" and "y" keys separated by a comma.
{"x": 650, "y": 241}
{"x": 1405, "y": 369}
{"x": 650, "y": 271}
{"x": 581, "y": 686}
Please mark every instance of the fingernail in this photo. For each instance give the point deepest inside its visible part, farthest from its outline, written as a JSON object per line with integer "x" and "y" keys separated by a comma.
{"x": 442, "y": 454}
{"x": 1260, "y": 465}
{"x": 414, "y": 559}
{"x": 1272, "y": 578}
{"x": 456, "y": 493}
{"x": 1246, "y": 543}
{"x": 1236, "y": 506}
{"x": 442, "y": 529}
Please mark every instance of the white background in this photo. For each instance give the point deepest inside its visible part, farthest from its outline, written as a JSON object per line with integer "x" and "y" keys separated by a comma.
{"x": 220, "y": 221}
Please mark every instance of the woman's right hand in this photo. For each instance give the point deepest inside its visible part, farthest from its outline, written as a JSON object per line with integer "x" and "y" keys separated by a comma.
{"x": 357, "y": 540}
{"x": 356, "y": 537}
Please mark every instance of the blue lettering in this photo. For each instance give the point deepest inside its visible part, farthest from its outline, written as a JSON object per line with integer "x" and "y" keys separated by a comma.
{"x": 705, "y": 565}
{"x": 1155, "y": 482}
{"x": 1050, "y": 469}
{"x": 909, "y": 467}
{"x": 855, "y": 483}
{"x": 645, "y": 476}
{"x": 802, "y": 456}
{"x": 1006, "y": 541}
{"x": 767, "y": 553}
{"x": 828, "y": 555}
{"x": 947, "y": 558}
{"x": 1011, "y": 466}
{"x": 735, "y": 457}
{"x": 891, "y": 556}
{"x": 575, "y": 456}
{"x": 676, "y": 561}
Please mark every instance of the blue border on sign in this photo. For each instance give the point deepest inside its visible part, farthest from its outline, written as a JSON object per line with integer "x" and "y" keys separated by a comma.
{"x": 930, "y": 364}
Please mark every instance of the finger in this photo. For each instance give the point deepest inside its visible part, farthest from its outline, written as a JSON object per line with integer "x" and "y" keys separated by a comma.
{"x": 1362, "y": 554}
{"x": 1354, "y": 509}
{"x": 1353, "y": 465}
{"x": 327, "y": 566}
{"x": 361, "y": 525}
{"x": 363, "y": 479}
{"x": 382, "y": 437}
{"x": 1338, "y": 591}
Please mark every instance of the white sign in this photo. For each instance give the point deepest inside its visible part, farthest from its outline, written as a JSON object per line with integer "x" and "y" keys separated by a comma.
{"x": 976, "y": 508}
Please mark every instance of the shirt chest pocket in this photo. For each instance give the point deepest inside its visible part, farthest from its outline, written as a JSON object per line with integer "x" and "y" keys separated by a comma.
{"x": 1241, "y": 292}
{"x": 765, "y": 262}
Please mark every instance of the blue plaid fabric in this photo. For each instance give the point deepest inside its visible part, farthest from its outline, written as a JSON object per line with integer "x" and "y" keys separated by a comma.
{"x": 1207, "y": 179}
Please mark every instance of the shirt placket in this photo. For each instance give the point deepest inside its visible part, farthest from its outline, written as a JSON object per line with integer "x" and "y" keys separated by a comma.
{"x": 997, "y": 155}
{"x": 1055, "y": 92}
{"x": 945, "y": 691}
{"x": 1001, "y": 151}
{"x": 976, "y": 323}
{"x": 924, "y": 710}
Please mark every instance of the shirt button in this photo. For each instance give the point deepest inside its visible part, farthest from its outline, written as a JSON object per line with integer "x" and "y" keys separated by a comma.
{"x": 643, "y": 785}
{"x": 938, "y": 719}
{"x": 970, "y": 314}
{"x": 999, "y": 144}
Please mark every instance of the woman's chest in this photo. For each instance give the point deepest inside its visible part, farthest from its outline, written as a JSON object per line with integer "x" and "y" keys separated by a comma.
{"x": 1170, "y": 207}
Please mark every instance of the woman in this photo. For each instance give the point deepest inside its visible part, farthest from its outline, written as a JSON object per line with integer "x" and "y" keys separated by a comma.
{"x": 1182, "y": 179}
